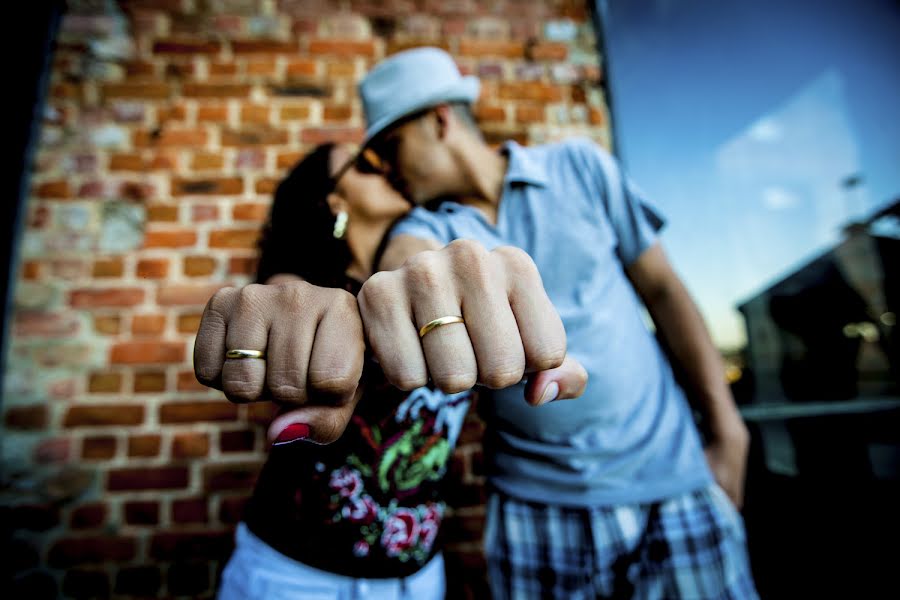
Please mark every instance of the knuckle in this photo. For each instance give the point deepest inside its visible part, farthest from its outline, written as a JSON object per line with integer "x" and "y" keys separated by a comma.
{"x": 377, "y": 290}
{"x": 220, "y": 300}
{"x": 407, "y": 380}
{"x": 503, "y": 376}
{"x": 207, "y": 376}
{"x": 452, "y": 383}
{"x": 516, "y": 260}
{"x": 337, "y": 384}
{"x": 548, "y": 357}
{"x": 424, "y": 271}
{"x": 251, "y": 295}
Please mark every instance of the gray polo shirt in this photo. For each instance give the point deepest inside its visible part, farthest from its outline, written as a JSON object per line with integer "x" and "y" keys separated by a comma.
{"x": 631, "y": 437}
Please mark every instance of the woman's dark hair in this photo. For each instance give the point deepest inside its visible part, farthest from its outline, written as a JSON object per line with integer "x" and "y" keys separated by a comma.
{"x": 297, "y": 238}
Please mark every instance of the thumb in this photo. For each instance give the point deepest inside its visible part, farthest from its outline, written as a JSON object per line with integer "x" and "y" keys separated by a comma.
{"x": 565, "y": 381}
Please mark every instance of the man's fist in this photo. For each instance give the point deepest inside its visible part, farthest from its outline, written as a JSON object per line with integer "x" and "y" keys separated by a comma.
{"x": 509, "y": 327}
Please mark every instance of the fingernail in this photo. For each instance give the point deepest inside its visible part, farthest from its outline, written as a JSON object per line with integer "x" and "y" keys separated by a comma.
{"x": 292, "y": 433}
{"x": 551, "y": 392}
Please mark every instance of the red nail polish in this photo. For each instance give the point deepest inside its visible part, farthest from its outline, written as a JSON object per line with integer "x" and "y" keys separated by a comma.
{"x": 292, "y": 433}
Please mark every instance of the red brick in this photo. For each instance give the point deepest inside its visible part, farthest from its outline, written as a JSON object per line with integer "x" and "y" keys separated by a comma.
{"x": 204, "y": 212}
{"x": 169, "y": 138}
{"x": 52, "y": 451}
{"x": 339, "y": 47}
{"x": 30, "y": 271}
{"x": 237, "y": 441}
{"x": 107, "y": 324}
{"x": 530, "y": 113}
{"x": 173, "y": 238}
{"x": 148, "y": 324}
{"x": 190, "y": 445}
{"x": 147, "y": 478}
{"x": 187, "y": 381}
{"x": 227, "y": 68}
{"x": 215, "y": 113}
{"x": 488, "y": 112}
{"x": 206, "y": 161}
{"x": 294, "y": 113}
{"x": 255, "y": 113}
{"x": 172, "y": 112}
{"x": 338, "y": 112}
{"x": 136, "y": 69}
{"x": 142, "y": 512}
{"x": 144, "y": 91}
{"x": 198, "y": 266}
{"x": 261, "y": 413}
{"x": 186, "y": 294}
{"x": 338, "y": 135}
{"x": 95, "y": 549}
{"x": 32, "y": 323}
{"x": 217, "y": 91}
{"x": 242, "y": 265}
{"x": 187, "y": 47}
{"x": 231, "y": 509}
{"x": 162, "y": 212}
{"x": 189, "y": 323}
{"x": 109, "y": 267}
{"x": 343, "y": 69}
{"x": 98, "y": 447}
{"x": 104, "y": 415}
{"x": 254, "y": 136}
{"x": 231, "y": 476}
{"x": 192, "y": 510}
{"x": 88, "y": 516}
{"x": 40, "y": 216}
{"x": 149, "y": 381}
{"x": 143, "y": 582}
{"x": 147, "y": 352}
{"x": 225, "y": 186}
{"x": 530, "y": 90}
{"x": 261, "y": 67}
{"x": 263, "y": 47}
{"x": 189, "y": 545}
{"x": 505, "y": 49}
{"x": 86, "y": 583}
{"x": 30, "y": 417}
{"x": 144, "y": 445}
{"x": 53, "y": 189}
{"x": 547, "y": 51}
{"x": 250, "y": 211}
{"x": 94, "y": 298}
{"x": 302, "y": 68}
{"x": 152, "y": 268}
{"x": 197, "y": 412}
{"x": 234, "y": 238}
{"x": 105, "y": 383}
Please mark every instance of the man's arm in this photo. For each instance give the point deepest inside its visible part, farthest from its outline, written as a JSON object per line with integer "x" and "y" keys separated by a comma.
{"x": 682, "y": 328}
{"x": 402, "y": 247}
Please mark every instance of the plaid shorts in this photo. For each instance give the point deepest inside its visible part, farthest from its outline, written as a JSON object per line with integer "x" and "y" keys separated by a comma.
{"x": 690, "y": 546}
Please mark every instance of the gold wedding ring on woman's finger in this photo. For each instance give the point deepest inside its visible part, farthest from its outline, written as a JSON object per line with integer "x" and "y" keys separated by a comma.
{"x": 242, "y": 353}
{"x": 438, "y": 322}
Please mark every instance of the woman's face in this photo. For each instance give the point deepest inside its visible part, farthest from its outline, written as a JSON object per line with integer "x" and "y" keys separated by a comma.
{"x": 369, "y": 197}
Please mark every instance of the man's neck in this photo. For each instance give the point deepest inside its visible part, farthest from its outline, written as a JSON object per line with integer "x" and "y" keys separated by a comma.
{"x": 485, "y": 171}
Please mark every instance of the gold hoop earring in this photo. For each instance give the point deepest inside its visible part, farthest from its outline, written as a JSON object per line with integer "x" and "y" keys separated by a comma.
{"x": 340, "y": 225}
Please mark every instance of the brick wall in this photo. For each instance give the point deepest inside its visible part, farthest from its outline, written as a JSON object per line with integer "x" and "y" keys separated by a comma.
{"x": 167, "y": 126}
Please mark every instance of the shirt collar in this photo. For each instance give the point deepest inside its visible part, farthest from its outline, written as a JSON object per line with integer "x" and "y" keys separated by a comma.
{"x": 522, "y": 168}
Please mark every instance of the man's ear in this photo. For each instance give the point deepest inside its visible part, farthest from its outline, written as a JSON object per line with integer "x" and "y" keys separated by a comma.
{"x": 443, "y": 116}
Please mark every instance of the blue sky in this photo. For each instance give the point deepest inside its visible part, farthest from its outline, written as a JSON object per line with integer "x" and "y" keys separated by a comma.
{"x": 742, "y": 119}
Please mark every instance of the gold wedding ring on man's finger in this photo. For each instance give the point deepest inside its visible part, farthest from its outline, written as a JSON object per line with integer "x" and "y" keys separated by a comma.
{"x": 242, "y": 353}
{"x": 438, "y": 322}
